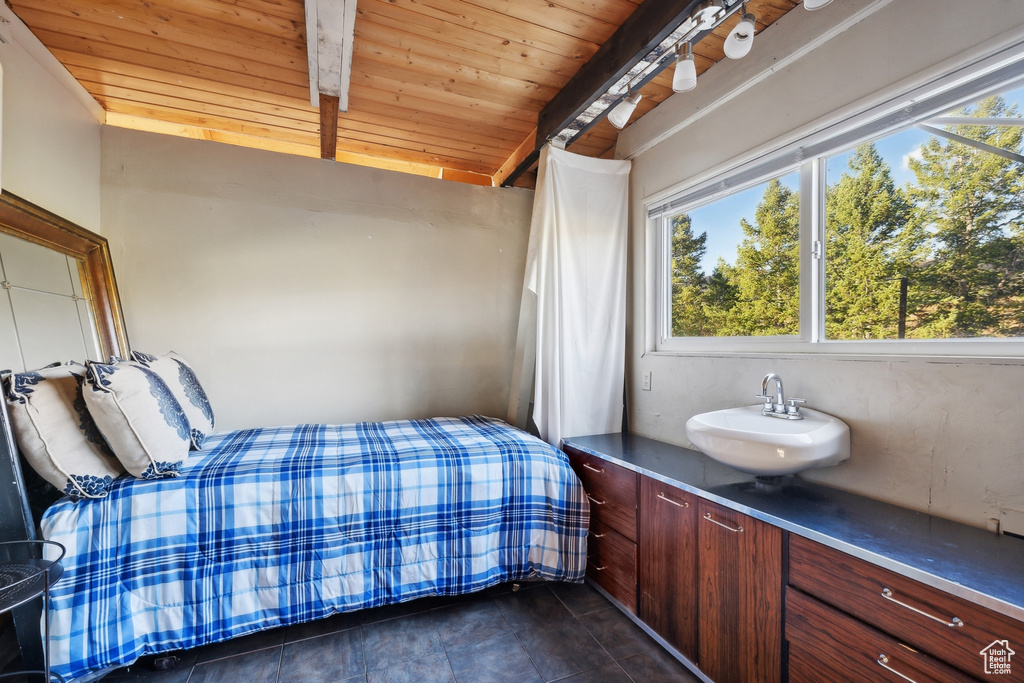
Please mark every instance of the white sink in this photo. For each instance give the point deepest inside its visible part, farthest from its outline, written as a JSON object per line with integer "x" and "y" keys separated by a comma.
{"x": 748, "y": 441}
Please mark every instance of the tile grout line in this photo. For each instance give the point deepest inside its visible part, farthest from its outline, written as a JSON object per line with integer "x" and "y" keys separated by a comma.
{"x": 516, "y": 635}
{"x": 280, "y": 658}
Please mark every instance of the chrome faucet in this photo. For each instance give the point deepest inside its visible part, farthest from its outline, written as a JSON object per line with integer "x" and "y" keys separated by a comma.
{"x": 779, "y": 407}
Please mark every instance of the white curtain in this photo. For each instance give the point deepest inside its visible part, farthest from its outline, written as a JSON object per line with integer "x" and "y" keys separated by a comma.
{"x": 576, "y": 266}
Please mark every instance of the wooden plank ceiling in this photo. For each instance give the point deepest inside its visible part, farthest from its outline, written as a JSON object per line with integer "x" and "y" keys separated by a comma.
{"x": 444, "y": 88}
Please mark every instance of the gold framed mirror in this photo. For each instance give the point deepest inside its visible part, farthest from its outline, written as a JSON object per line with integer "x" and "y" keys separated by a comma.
{"x": 23, "y": 219}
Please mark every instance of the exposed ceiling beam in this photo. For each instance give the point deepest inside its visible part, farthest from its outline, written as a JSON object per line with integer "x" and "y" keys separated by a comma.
{"x": 523, "y": 151}
{"x": 328, "y": 127}
{"x": 330, "y": 27}
{"x": 648, "y": 25}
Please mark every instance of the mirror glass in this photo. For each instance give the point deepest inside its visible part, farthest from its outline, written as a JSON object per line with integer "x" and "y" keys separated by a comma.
{"x": 45, "y": 315}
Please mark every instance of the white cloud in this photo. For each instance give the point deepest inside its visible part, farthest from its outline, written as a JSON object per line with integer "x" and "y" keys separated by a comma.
{"x": 914, "y": 154}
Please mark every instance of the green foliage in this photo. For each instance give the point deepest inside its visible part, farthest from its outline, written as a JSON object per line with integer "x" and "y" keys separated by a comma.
{"x": 871, "y": 240}
{"x": 956, "y": 235}
{"x": 971, "y": 202}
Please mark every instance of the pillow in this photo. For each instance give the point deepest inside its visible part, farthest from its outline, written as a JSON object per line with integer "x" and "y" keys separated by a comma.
{"x": 56, "y": 434}
{"x": 183, "y": 383}
{"x": 139, "y": 417}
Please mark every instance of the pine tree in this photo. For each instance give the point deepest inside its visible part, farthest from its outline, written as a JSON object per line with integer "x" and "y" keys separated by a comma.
{"x": 871, "y": 242}
{"x": 767, "y": 271}
{"x": 688, "y": 319}
{"x": 971, "y": 200}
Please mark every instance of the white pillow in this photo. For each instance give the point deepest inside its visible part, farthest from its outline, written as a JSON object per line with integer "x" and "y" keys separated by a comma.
{"x": 139, "y": 417}
{"x": 183, "y": 383}
{"x": 56, "y": 434}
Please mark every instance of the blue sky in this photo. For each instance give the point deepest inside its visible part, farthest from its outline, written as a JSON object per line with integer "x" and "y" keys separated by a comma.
{"x": 721, "y": 219}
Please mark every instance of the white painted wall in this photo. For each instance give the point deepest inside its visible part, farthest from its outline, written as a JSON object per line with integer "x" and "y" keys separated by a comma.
{"x": 947, "y": 438}
{"x": 310, "y": 291}
{"x": 51, "y": 130}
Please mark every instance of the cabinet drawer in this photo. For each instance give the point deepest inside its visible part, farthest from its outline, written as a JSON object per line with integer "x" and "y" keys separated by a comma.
{"x": 827, "y": 645}
{"x": 914, "y": 613}
{"x": 611, "y": 562}
{"x": 611, "y": 490}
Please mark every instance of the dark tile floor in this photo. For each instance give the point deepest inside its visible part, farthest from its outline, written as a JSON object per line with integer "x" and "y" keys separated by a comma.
{"x": 543, "y": 632}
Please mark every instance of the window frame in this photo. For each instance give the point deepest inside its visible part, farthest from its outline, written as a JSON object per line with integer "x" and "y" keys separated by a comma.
{"x": 807, "y": 154}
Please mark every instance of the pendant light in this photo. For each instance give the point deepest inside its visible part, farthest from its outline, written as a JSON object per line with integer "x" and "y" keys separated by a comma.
{"x": 619, "y": 116}
{"x": 685, "y": 76}
{"x": 815, "y": 4}
{"x": 741, "y": 37}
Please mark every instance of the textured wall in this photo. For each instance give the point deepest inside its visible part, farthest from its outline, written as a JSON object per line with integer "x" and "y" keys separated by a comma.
{"x": 309, "y": 291}
{"x": 51, "y": 141}
{"x": 943, "y": 437}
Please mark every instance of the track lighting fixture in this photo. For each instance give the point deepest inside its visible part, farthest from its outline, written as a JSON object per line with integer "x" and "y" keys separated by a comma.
{"x": 706, "y": 17}
{"x": 619, "y": 116}
{"x": 708, "y": 14}
{"x": 741, "y": 37}
{"x": 685, "y": 76}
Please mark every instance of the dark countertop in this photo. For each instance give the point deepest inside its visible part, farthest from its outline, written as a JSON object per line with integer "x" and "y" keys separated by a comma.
{"x": 972, "y": 563}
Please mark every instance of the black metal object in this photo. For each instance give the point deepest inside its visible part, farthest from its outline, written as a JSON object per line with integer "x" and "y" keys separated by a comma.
{"x": 901, "y": 332}
{"x": 16, "y": 524}
{"x": 645, "y": 29}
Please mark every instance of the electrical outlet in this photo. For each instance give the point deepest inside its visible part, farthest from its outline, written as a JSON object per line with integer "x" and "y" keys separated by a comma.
{"x": 647, "y": 381}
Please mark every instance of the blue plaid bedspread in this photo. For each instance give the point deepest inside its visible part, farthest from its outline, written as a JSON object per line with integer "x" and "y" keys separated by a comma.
{"x": 267, "y": 527}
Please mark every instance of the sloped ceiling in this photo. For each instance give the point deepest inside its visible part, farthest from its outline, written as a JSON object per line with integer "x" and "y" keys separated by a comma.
{"x": 444, "y": 88}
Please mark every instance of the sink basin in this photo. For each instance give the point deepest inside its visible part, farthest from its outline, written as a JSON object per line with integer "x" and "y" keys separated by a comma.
{"x": 746, "y": 440}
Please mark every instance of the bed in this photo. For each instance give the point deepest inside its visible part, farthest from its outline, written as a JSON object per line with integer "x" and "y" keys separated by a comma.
{"x": 275, "y": 526}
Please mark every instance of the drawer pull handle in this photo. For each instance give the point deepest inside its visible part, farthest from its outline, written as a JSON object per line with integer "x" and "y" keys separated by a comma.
{"x": 598, "y": 569}
{"x": 665, "y": 498}
{"x": 883, "y": 661}
{"x": 595, "y": 501}
{"x": 598, "y": 535}
{"x": 734, "y": 529}
{"x": 590, "y": 467}
{"x": 955, "y": 623}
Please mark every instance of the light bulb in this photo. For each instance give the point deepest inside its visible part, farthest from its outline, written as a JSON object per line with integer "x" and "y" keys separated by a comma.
{"x": 619, "y": 116}
{"x": 685, "y": 76}
{"x": 815, "y": 4}
{"x": 741, "y": 38}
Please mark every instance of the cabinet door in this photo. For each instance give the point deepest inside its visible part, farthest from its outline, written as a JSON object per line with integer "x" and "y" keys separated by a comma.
{"x": 668, "y": 563}
{"x": 739, "y": 605}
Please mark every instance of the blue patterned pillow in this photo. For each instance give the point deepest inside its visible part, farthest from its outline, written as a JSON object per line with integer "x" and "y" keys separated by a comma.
{"x": 182, "y": 381}
{"x": 139, "y": 417}
{"x": 56, "y": 434}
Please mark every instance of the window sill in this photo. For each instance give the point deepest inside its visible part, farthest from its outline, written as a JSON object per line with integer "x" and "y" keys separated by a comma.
{"x": 992, "y": 352}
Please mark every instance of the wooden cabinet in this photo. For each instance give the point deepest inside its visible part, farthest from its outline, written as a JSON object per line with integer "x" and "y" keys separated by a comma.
{"x": 711, "y": 582}
{"x": 827, "y": 645}
{"x": 739, "y": 597}
{"x": 949, "y": 629}
{"x": 668, "y": 564}
{"x": 611, "y": 544}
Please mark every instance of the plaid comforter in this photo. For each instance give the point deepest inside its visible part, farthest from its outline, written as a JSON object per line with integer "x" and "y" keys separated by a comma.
{"x": 267, "y": 527}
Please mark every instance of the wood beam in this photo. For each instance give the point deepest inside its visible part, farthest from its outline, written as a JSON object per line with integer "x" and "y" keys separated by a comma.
{"x": 648, "y": 25}
{"x": 330, "y": 26}
{"x": 328, "y": 126}
{"x": 511, "y": 165}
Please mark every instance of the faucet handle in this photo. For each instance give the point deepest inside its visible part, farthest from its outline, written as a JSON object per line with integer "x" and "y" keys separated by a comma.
{"x": 791, "y": 406}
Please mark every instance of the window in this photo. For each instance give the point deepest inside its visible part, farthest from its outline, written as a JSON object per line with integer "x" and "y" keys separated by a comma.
{"x": 912, "y": 232}
{"x": 735, "y": 264}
